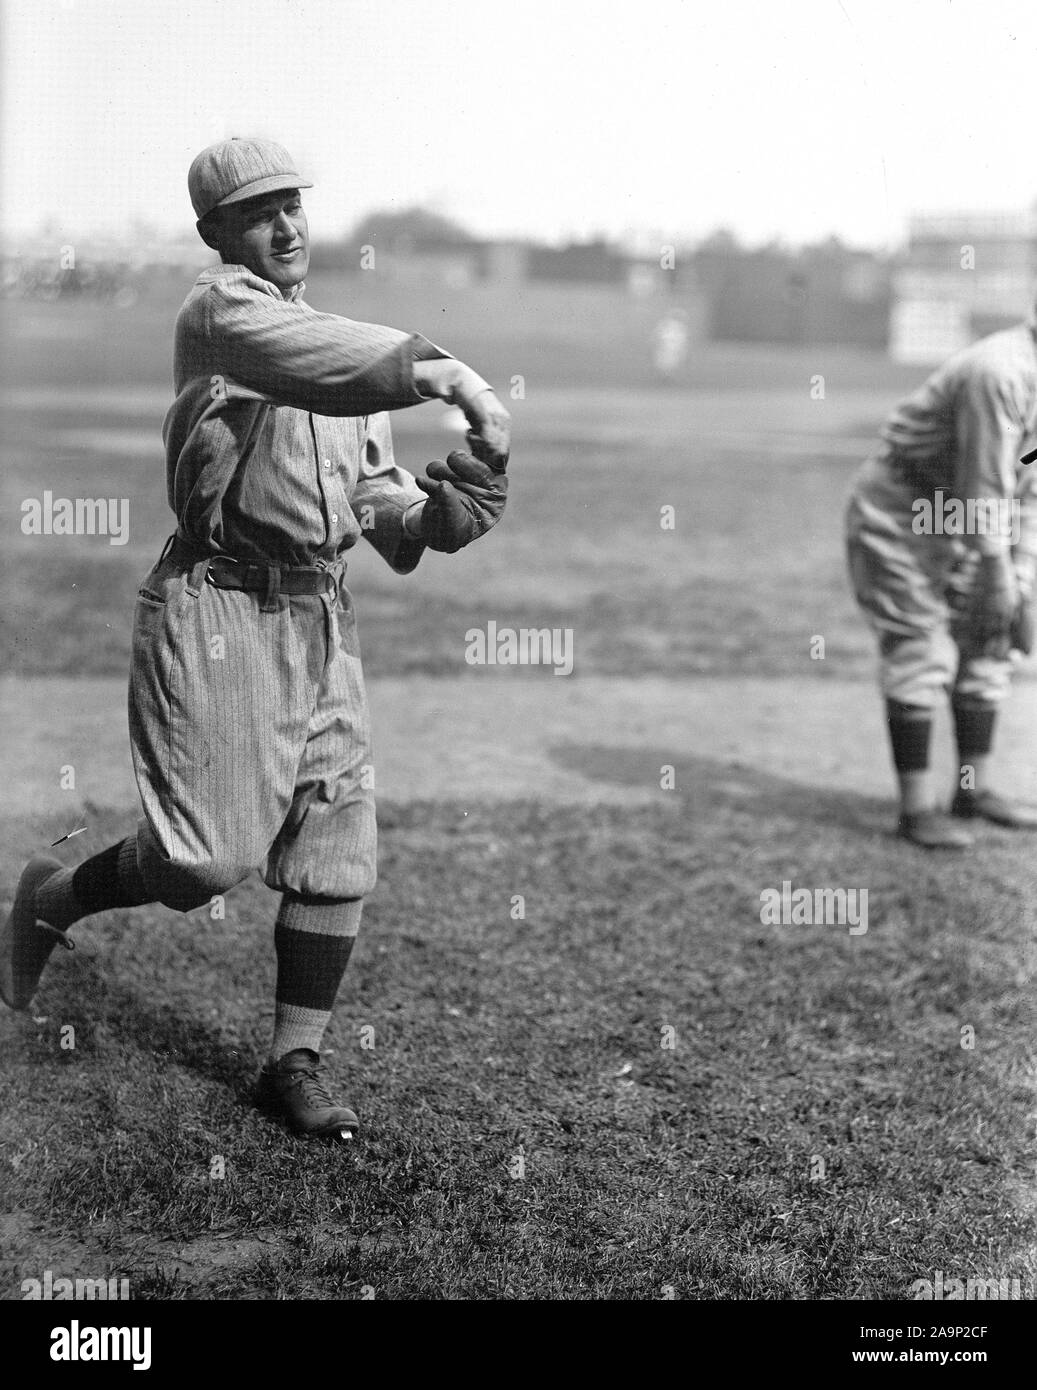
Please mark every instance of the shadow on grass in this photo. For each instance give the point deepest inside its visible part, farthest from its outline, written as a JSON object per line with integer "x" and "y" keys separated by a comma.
{"x": 100, "y": 1004}
{"x": 710, "y": 785}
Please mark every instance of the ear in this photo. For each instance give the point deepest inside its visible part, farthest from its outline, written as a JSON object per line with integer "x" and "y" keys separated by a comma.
{"x": 208, "y": 230}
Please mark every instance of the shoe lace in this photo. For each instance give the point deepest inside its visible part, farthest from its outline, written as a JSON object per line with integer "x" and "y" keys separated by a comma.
{"x": 312, "y": 1083}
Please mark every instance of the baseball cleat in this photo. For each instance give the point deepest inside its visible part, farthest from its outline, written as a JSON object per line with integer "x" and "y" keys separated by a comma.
{"x": 295, "y": 1088}
{"x": 931, "y": 830}
{"x": 25, "y": 941}
{"x": 1014, "y": 815}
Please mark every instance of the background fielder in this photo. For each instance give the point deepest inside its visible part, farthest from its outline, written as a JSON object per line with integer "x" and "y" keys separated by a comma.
{"x": 949, "y": 609}
{"x": 248, "y": 717}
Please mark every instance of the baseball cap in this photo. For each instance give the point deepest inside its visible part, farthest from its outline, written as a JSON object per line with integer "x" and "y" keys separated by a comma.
{"x": 232, "y": 170}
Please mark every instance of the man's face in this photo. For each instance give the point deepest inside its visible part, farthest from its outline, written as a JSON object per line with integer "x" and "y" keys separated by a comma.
{"x": 269, "y": 234}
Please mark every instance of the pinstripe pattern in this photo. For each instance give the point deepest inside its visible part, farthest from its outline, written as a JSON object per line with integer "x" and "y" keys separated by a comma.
{"x": 277, "y": 432}
{"x": 249, "y": 728}
{"x": 899, "y": 579}
{"x": 254, "y": 754}
{"x": 962, "y": 432}
{"x": 231, "y": 170}
{"x": 965, "y": 429}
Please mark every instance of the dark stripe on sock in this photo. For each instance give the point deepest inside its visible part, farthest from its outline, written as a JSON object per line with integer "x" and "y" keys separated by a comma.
{"x": 98, "y": 884}
{"x": 910, "y": 731}
{"x": 310, "y": 966}
{"x": 974, "y": 729}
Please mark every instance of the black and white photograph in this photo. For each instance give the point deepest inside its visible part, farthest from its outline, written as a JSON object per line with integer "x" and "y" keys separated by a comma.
{"x": 518, "y": 538}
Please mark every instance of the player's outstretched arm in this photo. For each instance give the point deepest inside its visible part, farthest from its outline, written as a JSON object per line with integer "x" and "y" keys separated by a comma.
{"x": 291, "y": 355}
{"x": 489, "y": 435}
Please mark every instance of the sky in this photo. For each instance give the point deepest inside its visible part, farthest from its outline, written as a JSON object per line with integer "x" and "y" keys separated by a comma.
{"x": 554, "y": 119}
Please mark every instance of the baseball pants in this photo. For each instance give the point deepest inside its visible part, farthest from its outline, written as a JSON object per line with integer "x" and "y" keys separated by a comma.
{"x": 900, "y": 580}
{"x": 251, "y": 740}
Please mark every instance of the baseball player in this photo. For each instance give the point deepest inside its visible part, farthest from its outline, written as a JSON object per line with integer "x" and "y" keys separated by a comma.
{"x": 248, "y": 717}
{"x": 670, "y": 344}
{"x": 942, "y": 549}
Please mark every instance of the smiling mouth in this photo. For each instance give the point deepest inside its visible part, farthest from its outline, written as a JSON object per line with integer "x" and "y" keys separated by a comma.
{"x": 287, "y": 255}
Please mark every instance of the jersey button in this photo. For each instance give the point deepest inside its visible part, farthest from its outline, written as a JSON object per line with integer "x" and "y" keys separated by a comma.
{"x": 334, "y": 518}
{"x": 328, "y": 465}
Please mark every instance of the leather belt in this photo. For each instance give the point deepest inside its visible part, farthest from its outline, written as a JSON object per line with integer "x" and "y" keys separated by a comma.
{"x": 257, "y": 576}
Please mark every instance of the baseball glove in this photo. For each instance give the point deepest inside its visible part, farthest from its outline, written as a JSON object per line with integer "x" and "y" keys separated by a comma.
{"x": 465, "y": 499}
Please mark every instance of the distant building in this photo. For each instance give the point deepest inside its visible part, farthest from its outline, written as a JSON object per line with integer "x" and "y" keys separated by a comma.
{"x": 461, "y": 264}
{"x": 964, "y": 275}
{"x": 589, "y": 262}
{"x": 816, "y": 295}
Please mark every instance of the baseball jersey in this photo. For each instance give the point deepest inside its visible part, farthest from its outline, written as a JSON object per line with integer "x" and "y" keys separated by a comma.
{"x": 277, "y": 447}
{"x": 966, "y": 428}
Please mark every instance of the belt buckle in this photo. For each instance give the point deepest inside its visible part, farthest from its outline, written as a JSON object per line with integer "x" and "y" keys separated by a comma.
{"x": 224, "y": 559}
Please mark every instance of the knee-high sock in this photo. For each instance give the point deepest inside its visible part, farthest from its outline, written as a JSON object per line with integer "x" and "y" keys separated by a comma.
{"x": 910, "y": 731}
{"x": 110, "y": 879}
{"x": 974, "y": 722}
{"x": 313, "y": 938}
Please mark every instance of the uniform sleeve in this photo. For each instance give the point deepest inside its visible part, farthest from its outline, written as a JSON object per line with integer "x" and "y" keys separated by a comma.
{"x": 990, "y": 423}
{"x": 383, "y": 493}
{"x": 294, "y": 356}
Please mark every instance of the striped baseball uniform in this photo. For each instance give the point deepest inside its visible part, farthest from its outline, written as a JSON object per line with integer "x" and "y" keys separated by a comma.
{"x": 960, "y": 436}
{"x": 248, "y": 717}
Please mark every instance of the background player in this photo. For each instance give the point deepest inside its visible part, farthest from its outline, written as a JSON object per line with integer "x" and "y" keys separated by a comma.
{"x": 248, "y": 716}
{"x": 949, "y": 608}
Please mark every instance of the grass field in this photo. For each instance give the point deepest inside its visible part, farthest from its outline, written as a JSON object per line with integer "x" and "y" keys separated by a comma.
{"x": 636, "y": 1090}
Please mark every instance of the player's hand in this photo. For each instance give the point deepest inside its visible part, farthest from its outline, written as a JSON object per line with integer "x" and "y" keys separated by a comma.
{"x": 489, "y": 424}
{"x": 465, "y": 499}
{"x": 489, "y": 437}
